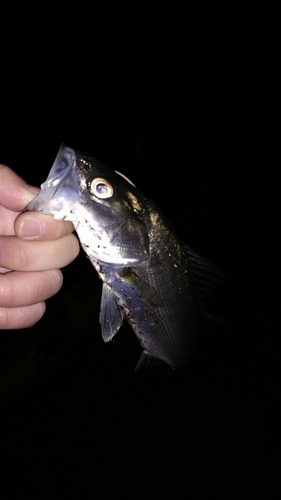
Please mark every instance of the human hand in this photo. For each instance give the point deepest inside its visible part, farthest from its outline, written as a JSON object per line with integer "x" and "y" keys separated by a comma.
{"x": 33, "y": 248}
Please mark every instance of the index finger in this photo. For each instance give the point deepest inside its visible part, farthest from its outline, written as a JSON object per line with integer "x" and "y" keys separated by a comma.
{"x": 14, "y": 193}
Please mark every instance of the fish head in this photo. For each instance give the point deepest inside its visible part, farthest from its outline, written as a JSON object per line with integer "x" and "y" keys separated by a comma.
{"x": 107, "y": 211}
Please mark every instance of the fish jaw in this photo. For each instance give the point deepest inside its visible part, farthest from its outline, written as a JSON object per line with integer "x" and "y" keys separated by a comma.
{"x": 60, "y": 190}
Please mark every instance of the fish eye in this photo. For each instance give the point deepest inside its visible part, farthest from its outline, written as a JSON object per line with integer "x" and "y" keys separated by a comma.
{"x": 101, "y": 188}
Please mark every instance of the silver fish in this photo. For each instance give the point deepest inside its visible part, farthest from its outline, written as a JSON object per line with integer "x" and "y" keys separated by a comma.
{"x": 149, "y": 277}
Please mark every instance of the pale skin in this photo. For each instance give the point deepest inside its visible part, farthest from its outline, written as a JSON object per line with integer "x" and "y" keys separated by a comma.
{"x": 33, "y": 248}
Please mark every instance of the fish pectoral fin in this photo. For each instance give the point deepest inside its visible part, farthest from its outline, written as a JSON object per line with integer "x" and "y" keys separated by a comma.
{"x": 148, "y": 361}
{"x": 111, "y": 317}
{"x": 142, "y": 289}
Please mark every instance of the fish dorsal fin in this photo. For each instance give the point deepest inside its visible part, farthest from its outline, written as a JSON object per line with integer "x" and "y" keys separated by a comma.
{"x": 206, "y": 275}
{"x": 111, "y": 316}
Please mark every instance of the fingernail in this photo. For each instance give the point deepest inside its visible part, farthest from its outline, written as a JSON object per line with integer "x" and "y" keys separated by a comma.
{"x": 30, "y": 229}
{"x": 30, "y": 193}
{"x": 32, "y": 189}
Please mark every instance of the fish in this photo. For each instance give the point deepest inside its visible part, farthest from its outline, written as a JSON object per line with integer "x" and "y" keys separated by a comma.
{"x": 150, "y": 278}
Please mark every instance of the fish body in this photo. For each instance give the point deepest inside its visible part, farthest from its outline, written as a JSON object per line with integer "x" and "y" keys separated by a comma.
{"x": 149, "y": 277}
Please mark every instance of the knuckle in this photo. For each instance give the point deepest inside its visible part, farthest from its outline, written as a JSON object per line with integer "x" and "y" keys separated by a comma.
{"x": 47, "y": 285}
{"x": 21, "y": 317}
{"x": 57, "y": 278}
{"x": 7, "y": 294}
{"x": 23, "y": 256}
{"x": 13, "y": 318}
{"x": 5, "y": 315}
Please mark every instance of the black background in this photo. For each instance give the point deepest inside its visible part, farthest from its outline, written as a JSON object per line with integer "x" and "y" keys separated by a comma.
{"x": 196, "y": 126}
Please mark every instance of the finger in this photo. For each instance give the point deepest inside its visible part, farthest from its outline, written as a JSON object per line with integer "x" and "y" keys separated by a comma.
{"x": 21, "y": 317}
{"x": 18, "y": 289}
{"x": 14, "y": 193}
{"x": 25, "y": 255}
{"x": 7, "y": 220}
{"x": 36, "y": 226}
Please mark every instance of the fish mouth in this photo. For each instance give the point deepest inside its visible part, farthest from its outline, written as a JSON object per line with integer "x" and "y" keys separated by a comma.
{"x": 60, "y": 188}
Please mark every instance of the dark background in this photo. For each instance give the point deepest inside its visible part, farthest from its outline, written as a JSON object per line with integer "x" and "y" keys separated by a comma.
{"x": 196, "y": 126}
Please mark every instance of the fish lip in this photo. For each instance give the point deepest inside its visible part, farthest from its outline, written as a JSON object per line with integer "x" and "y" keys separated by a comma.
{"x": 63, "y": 171}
